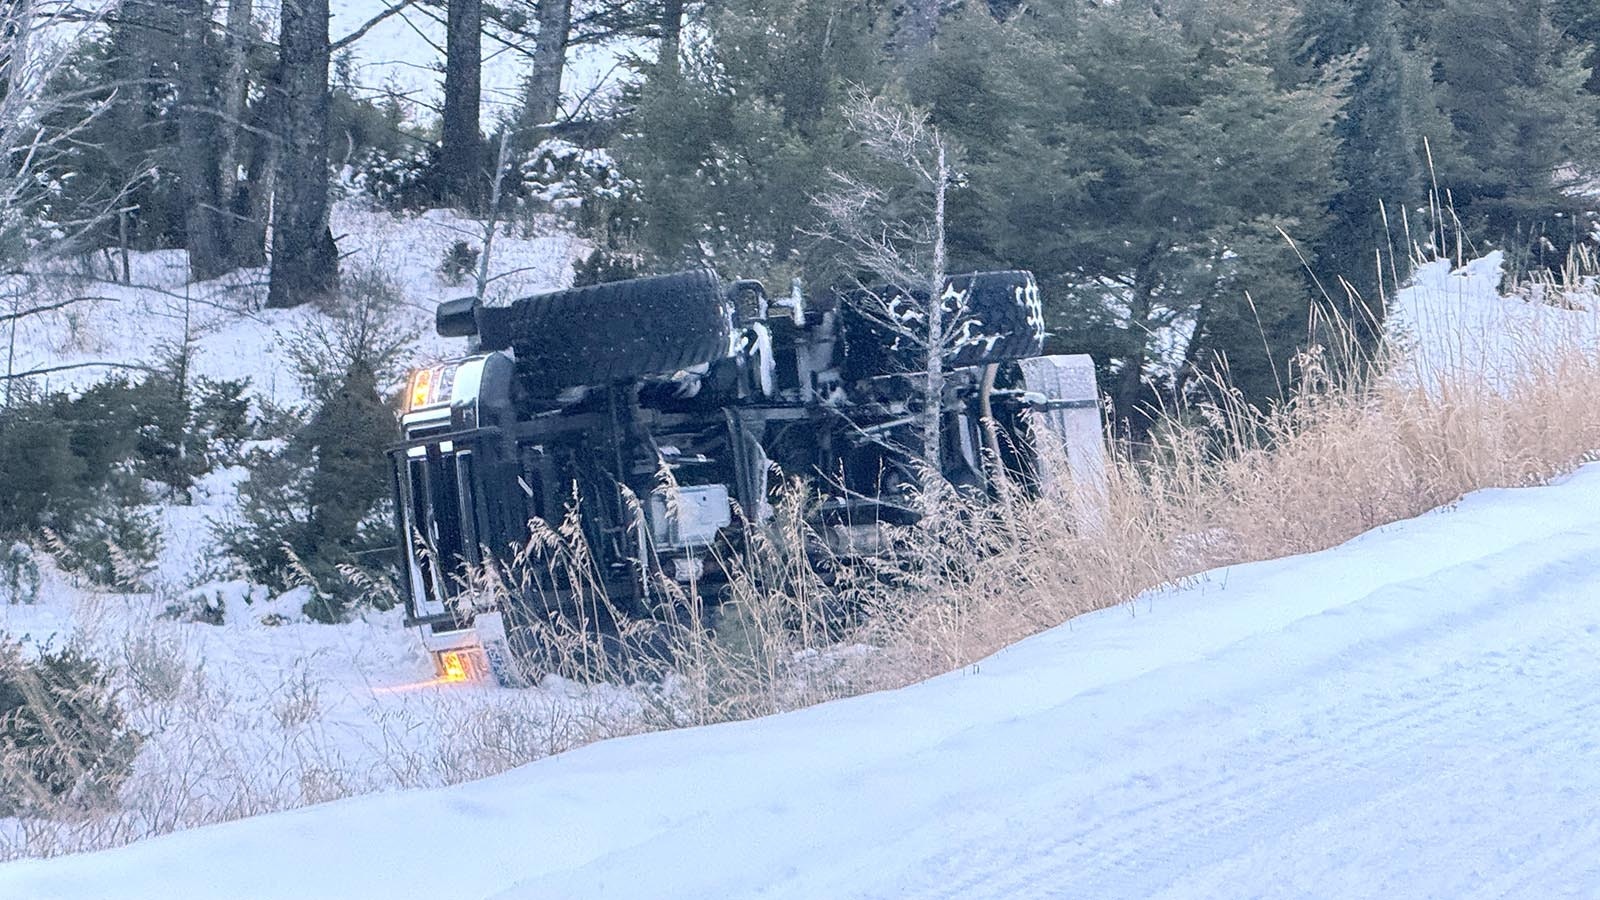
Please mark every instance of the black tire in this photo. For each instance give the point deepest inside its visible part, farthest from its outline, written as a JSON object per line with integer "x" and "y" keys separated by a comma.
{"x": 1000, "y": 319}
{"x": 607, "y": 333}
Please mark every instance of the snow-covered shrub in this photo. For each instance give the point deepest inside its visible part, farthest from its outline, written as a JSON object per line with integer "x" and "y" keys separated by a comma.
{"x": 115, "y": 545}
{"x": 606, "y": 264}
{"x": 313, "y": 510}
{"x": 586, "y": 185}
{"x": 360, "y": 328}
{"x": 397, "y": 182}
{"x": 19, "y": 574}
{"x": 220, "y": 422}
{"x": 565, "y": 175}
{"x": 47, "y": 473}
{"x": 64, "y": 740}
{"x": 185, "y": 427}
{"x": 272, "y": 516}
{"x": 209, "y": 603}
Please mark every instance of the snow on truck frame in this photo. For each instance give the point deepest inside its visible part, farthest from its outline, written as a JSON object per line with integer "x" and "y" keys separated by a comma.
{"x": 589, "y": 395}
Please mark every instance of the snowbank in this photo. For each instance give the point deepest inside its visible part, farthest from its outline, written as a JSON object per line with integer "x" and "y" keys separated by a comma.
{"x": 1455, "y": 321}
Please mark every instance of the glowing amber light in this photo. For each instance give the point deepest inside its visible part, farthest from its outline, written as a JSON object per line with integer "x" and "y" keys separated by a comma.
{"x": 455, "y": 667}
{"x": 421, "y": 387}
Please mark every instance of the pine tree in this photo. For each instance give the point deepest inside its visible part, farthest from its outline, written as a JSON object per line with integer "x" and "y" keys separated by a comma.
{"x": 1390, "y": 118}
{"x": 1514, "y": 90}
{"x": 309, "y": 507}
{"x": 1148, "y": 172}
{"x": 1580, "y": 20}
{"x": 349, "y": 475}
{"x": 732, "y": 144}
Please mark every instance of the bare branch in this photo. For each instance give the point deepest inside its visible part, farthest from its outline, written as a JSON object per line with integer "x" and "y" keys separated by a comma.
{"x": 50, "y": 307}
{"x": 895, "y": 229}
{"x": 368, "y": 25}
{"x": 67, "y": 367}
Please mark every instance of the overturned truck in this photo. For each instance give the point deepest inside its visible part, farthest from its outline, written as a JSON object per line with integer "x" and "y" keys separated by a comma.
{"x": 652, "y": 414}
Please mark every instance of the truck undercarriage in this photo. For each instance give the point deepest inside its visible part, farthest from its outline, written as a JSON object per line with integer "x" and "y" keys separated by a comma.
{"x": 649, "y": 421}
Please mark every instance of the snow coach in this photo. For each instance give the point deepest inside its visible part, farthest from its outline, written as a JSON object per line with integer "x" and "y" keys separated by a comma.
{"x": 647, "y": 418}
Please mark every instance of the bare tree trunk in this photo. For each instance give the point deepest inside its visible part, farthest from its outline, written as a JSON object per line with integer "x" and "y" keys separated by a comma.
{"x": 1131, "y": 378}
{"x": 247, "y": 233}
{"x": 932, "y": 421}
{"x": 491, "y": 224}
{"x": 206, "y": 223}
{"x": 305, "y": 262}
{"x": 671, "y": 32}
{"x": 542, "y": 90}
{"x": 236, "y": 48}
{"x": 122, "y": 246}
{"x": 460, "y": 142}
{"x": 11, "y": 345}
{"x": 261, "y": 170}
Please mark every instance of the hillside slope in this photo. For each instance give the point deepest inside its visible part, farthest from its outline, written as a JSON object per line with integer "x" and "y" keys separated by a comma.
{"x": 1410, "y": 713}
{"x": 232, "y": 336}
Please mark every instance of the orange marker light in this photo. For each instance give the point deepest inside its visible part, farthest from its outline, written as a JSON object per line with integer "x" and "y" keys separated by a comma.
{"x": 421, "y": 388}
{"x": 455, "y": 667}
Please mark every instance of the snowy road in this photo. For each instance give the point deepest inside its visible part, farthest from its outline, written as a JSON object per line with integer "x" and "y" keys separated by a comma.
{"x": 1414, "y": 714}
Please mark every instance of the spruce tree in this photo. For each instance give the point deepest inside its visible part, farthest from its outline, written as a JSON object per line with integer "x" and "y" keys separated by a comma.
{"x": 311, "y": 504}
{"x": 1390, "y": 118}
{"x": 1580, "y": 20}
{"x": 1514, "y": 89}
{"x": 1148, "y": 172}
{"x": 732, "y": 143}
{"x": 347, "y": 435}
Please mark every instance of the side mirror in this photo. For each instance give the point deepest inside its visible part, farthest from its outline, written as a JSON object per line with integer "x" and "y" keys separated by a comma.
{"x": 457, "y": 318}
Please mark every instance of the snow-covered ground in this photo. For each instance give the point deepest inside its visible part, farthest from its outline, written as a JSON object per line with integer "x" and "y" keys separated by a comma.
{"x": 1410, "y": 714}
{"x": 1451, "y": 322}
{"x": 233, "y": 336}
{"x": 258, "y": 718}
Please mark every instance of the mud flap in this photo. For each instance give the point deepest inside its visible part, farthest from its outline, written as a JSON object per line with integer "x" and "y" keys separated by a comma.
{"x": 491, "y": 629}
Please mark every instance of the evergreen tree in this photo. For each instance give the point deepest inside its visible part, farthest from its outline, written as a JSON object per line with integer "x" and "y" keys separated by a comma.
{"x": 1580, "y": 20}
{"x": 317, "y": 503}
{"x": 350, "y": 474}
{"x": 1389, "y": 118}
{"x": 732, "y": 145}
{"x": 1524, "y": 137}
{"x": 42, "y": 481}
{"x": 124, "y": 157}
{"x": 1145, "y": 172}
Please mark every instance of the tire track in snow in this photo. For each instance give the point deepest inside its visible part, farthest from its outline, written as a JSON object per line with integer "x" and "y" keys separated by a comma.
{"x": 1409, "y": 777}
{"x": 1133, "y": 851}
{"x": 1146, "y": 847}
